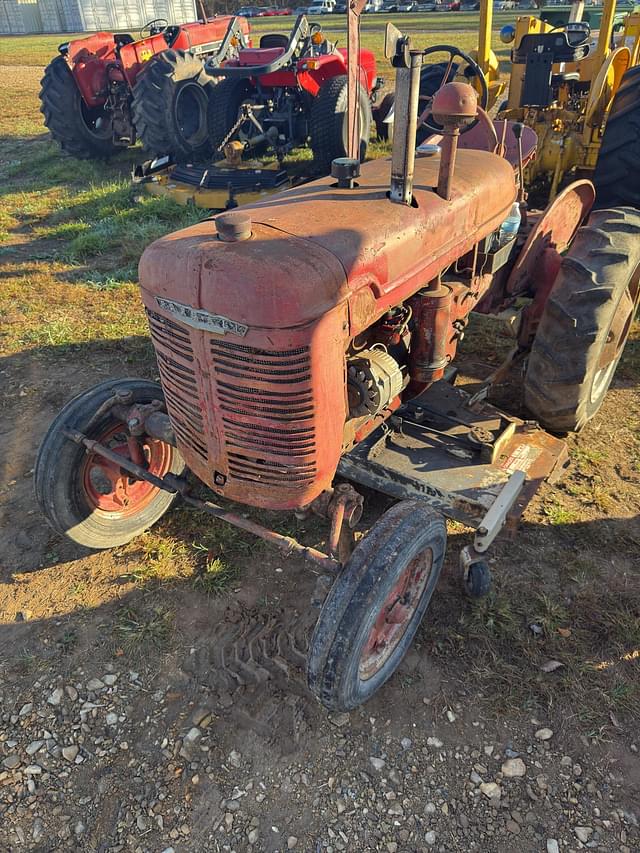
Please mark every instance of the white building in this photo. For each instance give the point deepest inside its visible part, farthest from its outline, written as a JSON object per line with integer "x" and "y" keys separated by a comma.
{"x": 76, "y": 16}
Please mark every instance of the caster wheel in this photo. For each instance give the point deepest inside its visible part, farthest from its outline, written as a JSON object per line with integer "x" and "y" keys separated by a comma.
{"x": 375, "y": 605}
{"x": 477, "y": 579}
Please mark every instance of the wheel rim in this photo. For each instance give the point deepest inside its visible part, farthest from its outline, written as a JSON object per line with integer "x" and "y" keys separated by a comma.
{"x": 96, "y": 120}
{"x": 190, "y": 111}
{"x": 110, "y": 490}
{"x": 395, "y": 615}
{"x": 616, "y": 339}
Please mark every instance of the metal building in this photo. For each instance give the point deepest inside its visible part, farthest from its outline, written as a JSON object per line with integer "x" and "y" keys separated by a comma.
{"x": 75, "y": 16}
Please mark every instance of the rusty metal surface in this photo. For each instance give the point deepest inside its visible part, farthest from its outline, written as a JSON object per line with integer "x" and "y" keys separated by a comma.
{"x": 434, "y": 460}
{"x": 174, "y": 484}
{"x": 354, "y": 77}
{"x": 551, "y": 236}
{"x": 250, "y": 336}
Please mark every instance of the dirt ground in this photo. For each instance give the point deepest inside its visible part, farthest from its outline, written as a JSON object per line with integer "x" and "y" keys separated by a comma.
{"x": 145, "y": 706}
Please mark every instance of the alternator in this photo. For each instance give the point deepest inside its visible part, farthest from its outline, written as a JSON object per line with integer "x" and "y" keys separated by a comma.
{"x": 374, "y": 378}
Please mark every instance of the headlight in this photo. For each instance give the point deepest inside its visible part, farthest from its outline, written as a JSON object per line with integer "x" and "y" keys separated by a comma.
{"x": 507, "y": 34}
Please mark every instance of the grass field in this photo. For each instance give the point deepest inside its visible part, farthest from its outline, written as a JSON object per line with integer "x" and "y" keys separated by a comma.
{"x": 70, "y": 238}
{"x": 428, "y": 28}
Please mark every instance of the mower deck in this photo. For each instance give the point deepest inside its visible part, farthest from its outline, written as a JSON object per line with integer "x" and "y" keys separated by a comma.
{"x": 471, "y": 462}
{"x": 214, "y": 187}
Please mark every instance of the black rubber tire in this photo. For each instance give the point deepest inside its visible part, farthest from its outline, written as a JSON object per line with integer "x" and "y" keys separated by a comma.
{"x": 58, "y": 466}
{"x": 477, "y": 579}
{"x": 269, "y": 40}
{"x": 616, "y": 176}
{"x": 357, "y": 597}
{"x": 171, "y": 103}
{"x": 384, "y": 131}
{"x": 328, "y": 122}
{"x": 564, "y": 386}
{"x": 224, "y": 109}
{"x": 69, "y": 120}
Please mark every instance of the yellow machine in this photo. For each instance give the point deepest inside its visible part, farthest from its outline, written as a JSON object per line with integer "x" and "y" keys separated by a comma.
{"x": 580, "y": 92}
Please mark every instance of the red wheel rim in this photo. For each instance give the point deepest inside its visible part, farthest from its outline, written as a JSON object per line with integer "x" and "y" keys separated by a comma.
{"x": 111, "y": 490}
{"x": 395, "y": 615}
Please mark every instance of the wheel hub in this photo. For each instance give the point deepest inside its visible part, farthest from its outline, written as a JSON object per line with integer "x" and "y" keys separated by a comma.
{"x": 108, "y": 488}
{"x": 395, "y": 615}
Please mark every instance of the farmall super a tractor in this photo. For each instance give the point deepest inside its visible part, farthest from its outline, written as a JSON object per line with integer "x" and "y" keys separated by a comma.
{"x": 305, "y": 347}
{"x": 104, "y": 91}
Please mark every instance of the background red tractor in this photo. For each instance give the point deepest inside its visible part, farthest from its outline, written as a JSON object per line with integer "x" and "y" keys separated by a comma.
{"x": 104, "y": 91}
{"x": 289, "y": 91}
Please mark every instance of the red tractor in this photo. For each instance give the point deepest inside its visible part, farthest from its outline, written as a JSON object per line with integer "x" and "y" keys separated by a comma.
{"x": 104, "y": 91}
{"x": 289, "y": 91}
{"x": 306, "y": 343}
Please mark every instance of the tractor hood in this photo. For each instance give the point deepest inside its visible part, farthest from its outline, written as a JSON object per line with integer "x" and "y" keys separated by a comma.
{"x": 316, "y": 246}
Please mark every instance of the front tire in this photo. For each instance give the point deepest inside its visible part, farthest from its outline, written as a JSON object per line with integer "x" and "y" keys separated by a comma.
{"x": 171, "y": 102}
{"x": 374, "y": 608}
{"x": 586, "y": 322}
{"x": 90, "y": 502}
{"x": 328, "y": 125}
{"x": 82, "y": 131}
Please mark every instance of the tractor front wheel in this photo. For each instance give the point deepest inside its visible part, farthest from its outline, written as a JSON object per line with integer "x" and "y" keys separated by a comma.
{"x": 328, "y": 123}
{"x": 373, "y": 610}
{"x": 171, "y": 105}
{"x": 586, "y": 321}
{"x": 84, "y": 496}
{"x": 82, "y": 131}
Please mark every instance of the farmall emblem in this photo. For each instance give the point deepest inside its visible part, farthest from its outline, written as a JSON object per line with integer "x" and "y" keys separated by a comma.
{"x": 199, "y": 319}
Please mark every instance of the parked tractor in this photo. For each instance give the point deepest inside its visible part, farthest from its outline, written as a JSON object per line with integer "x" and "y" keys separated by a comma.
{"x": 104, "y": 91}
{"x": 289, "y": 91}
{"x": 582, "y": 98}
{"x": 306, "y": 344}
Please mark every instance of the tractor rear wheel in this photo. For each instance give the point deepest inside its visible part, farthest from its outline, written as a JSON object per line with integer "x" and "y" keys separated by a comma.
{"x": 328, "y": 125}
{"x": 616, "y": 176}
{"x": 586, "y": 321}
{"x": 225, "y": 109}
{"x": 171, "y": 105}
{"x": 375, "y": 606}
{"x": 87, "y": 498}
{"x": 82, "y": 131}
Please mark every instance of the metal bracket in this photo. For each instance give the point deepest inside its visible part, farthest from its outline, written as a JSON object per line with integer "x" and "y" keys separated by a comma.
{"x": 494, "y": 520}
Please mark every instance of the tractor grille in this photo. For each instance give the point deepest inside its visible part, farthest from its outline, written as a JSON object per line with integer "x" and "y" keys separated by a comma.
{"x": 267, "y": 413}
{"x": 176, "y": 365}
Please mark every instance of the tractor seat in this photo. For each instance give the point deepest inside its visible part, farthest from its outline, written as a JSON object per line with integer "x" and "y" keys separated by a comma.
{"x": 274, "y": 40}
{"x": 259, "y": 55}
{"x": 556, "y": 46}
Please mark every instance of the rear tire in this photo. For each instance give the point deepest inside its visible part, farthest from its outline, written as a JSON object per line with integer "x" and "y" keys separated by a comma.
{"x": 617, "y": 177}
{"x": 375, "y": 606}
{"x": 70, "y": 487}
{"x": 171, "y": 102}
{"x": 586, "y": 322}
{"x": 81, "y": 131}
{"x": 328, "y": 122}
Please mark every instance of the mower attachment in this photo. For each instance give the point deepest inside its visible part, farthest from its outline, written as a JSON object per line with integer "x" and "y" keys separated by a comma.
{"x": 471, "y": 462}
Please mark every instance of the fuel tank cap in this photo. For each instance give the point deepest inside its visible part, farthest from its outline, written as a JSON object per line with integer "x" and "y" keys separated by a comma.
{"x": 234, "y": 226}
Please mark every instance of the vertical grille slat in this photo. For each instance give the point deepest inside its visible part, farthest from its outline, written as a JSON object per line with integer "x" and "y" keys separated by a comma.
{"x": 269, "y": 430}
{"x": 179, "y": 382}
